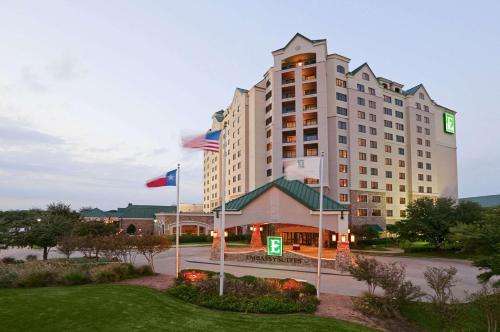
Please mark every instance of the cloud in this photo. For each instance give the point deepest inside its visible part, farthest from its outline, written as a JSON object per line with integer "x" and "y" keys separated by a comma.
{"x": 32, "y": 80}
{"x": 63, "y": 69}
{"x": 14, "y": 133}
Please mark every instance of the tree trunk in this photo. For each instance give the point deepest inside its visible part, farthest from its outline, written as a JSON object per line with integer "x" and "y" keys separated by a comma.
{"x": 45, "y": 253}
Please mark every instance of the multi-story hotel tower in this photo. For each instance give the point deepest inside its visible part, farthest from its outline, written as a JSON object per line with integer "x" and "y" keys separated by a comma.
{"x": 384, "y": 146}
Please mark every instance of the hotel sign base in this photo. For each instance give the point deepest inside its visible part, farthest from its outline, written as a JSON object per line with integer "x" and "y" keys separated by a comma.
{"x": 288, "y": 258}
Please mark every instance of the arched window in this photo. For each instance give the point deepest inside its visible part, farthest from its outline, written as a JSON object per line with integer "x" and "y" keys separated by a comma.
{"x": 340, "y": 69}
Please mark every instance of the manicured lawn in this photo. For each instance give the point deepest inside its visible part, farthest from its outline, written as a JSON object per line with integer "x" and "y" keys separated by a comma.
{"x": 131, "y": 308}
{"x": 469, "y": 318}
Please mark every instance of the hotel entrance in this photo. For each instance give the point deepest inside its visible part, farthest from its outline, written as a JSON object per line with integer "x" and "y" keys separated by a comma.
{"x": 307, "y": 239}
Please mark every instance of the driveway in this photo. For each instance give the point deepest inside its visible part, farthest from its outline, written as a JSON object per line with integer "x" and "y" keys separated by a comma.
{"x": 335, "y": 284}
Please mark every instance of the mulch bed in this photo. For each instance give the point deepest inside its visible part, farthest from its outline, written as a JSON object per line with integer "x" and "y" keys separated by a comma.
{"x": 159, "y": 281}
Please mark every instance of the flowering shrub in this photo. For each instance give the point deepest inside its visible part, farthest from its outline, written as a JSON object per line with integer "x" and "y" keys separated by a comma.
{"x": 245, "y": 294}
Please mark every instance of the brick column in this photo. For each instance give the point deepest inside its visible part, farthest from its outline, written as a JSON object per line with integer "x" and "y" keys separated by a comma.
{"x": 215, "y": 251}
{"x": 256, "y": 240}
{"x": 344, "y": 258}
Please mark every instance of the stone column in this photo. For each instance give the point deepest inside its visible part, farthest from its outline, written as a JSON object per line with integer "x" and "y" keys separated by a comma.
{"x": 198, "y": 230}
{"x": 215, "y": 251}
{"x": 344, "y": 257}
{"x": 256, "y": 240}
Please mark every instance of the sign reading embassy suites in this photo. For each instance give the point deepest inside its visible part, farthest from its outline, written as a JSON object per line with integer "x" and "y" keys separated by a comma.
{"x": 449, "y": 123}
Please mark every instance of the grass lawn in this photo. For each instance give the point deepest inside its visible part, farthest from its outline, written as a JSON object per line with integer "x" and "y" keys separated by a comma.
{"x": 468, "y": 319}
{"x": 131, "y": 308}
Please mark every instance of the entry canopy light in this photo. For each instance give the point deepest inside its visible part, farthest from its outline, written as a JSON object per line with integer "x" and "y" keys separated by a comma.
{"x": 334, "y": 237}
{"x": 252, "y": 228}
{"x": 214, "y": 234}
{"x": 343, "y": 237}
{"x": 352, "y": 237}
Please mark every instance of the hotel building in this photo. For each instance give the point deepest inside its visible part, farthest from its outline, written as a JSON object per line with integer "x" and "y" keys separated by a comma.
{"x": 383, "y": 145}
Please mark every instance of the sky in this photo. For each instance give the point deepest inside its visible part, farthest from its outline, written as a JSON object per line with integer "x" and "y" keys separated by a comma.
{"x": 95, "y": 95}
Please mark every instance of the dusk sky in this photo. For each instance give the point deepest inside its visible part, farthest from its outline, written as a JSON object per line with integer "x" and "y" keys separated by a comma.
{"x": 95, "y": 95}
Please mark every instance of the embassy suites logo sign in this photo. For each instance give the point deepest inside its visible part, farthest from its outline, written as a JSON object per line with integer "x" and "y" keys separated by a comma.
{"x": 449, "y": 123}
{"x": 274, "y": 246}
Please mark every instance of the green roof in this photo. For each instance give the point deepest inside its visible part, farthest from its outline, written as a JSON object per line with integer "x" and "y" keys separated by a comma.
{"x": 376, "y": 227}
{"x": 484, "y": 201}
{"x": 299, "y": 191}
{"x": 413, "y": 90}
{"x": 131, "y": 211}
{"x": 93, "y": 213}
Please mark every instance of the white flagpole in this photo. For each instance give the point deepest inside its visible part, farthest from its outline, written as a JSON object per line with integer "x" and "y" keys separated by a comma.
{"x": 177, "y": 223}
{"x": 320, "y": 226}
{"x": 222, "y": 227}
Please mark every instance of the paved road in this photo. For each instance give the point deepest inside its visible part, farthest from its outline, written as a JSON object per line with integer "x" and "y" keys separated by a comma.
{"x": 337, "y": 284}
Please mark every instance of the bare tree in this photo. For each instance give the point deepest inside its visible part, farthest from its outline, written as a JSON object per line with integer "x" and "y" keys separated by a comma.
{"x": 151, "y": 245}
{"x": 488, "y": 300}
{"x": 67, "y": 245}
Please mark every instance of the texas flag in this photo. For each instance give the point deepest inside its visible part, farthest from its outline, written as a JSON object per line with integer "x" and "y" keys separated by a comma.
{"x": 170, "y": 179}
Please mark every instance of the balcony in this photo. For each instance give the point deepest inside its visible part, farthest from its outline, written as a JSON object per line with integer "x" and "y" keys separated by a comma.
{"x": 289, "y": 154}
{"x": 299, "y": 60}
{"x": 288, "y": 110}
{"x": 288, "y": 95}
{"x": 311, "y": 122}
{"x": 313, "y": 137}
{"x": 311, "y": 150}
{"x": 289, "y": 124}
{"x": 289, "y": 139}
{"x": 309, "y": 78}
{"x": 310, "y": 107}
{"x": 310, "y": 92}
{"x": 287, "y": 81}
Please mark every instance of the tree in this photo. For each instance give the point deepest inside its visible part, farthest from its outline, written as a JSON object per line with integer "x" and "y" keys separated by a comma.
{"x": 151, "y": 245}
{"x": 94, "y": 228}
{"x": 468, "y": 212}
{"x": 364, "y": 232}
{"x": 441, "y": 280}
{"x": 428, "y": 220}
{"x": 131, "y": 229}
{"x": 482, "y": 240}
{"x": 365, "y": 269}
{"x": 67, "y": 245}
{"x": 488, "y": 301}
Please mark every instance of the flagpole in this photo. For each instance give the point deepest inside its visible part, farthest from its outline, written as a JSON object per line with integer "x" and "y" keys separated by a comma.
{"x": 222, "y": 227}
{"x": 177, "y": 223}
{"x": 320, "y": 226}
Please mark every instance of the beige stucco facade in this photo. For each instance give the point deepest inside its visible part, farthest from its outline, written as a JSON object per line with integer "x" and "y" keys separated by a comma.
{"x": 384, "y": 146}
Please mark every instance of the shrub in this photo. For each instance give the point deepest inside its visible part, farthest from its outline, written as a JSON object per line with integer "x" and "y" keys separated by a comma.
{"x": 441, "y": 280}
{"x": 245, "y": 294}
{"x": 151, "y": 245}
{"x": 31, "y": 258}
{"x": 40, "y": 279}
{"x": 9, "y": 260}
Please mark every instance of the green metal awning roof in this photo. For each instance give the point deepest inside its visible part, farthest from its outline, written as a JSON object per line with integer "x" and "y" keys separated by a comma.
{"x": 299, "y": 191}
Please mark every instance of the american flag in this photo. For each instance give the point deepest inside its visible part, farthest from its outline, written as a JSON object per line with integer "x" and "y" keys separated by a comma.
{"x": 207, "y": 142}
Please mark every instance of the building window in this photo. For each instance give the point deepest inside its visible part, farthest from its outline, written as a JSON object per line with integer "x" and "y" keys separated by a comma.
{"x": 269, "y": 146}
{"x": 388, "y": 187}
{"x": 429, "y": 177}
{"x": 388, "y": 161}
{"x": 402, "y": 188}
{"x": 365, "y": 76}
{"x": 268, "y": 133}
{"x": 362, "y": 199}
{"x": 398, "y": 102}
{"x": 388, "y": 149}
{"x": 363, "y": 184}
{"x": 427, "y": 143}
{"x": 401, "y": 163}
{"x": 269, "y": 120}
{"x": 426, "y": 108}
{"x": 341, "y": 83}
{"x": 343, "y": 197}
{"x": 428, "y": 166}
{"x": 373, "y": 144}
{"x": 342, "y": 139}
{"x": 421, "y": 177}
{"x": 342, "y": 153}
{"x": 376, "y": 213}
{"x": 387, "y": 111}
{"x": 361, "y": 88}
{"x": 341, "y": 96}
{"x": 419, "y": 129}
{"x": 419, "y": 107}
{"x": 343, "y": 183}
{"x": 421, "y": 95}
{"x": 426, "y": 119}
{"x": 402, "y": 200}
{"x": 427, "y": 131}
{"x": 398, "y": 114}
{"x": 388, "y": 123}
{"x": 373, "y": 158}
{"x": 362, "y": 170}
{"x": 373, "y": 117}
{"x": 401, "y": 151}
{"x": 361, "y": 115}
{"x": 373, "y": 131}
{"x": 269, "y": 159}
{"x": 361, "y": 101}
{"x": 342, "y": 168}
{"x": 387, "y": 99}
{"x": 420, "y": 189}
{"x": 400, "y": 139}
{"x": 362, "y": 156}
{"x": 402, "y": 176}
{"x": 429, "y": 190}
{"x": 371, "y": 91}
{"x": 388, "y": 200}
{"x": 400, "y": 126}
{"x": 361, "y": 142}
{"x": 269, "y": 172}
{"x": 372, "y": 104}
{"x": 402, "y": 213}
{"x": 361, "y": 212}
{"x": 342, "y": 125}
{"x": 341, "y": 110}
{"x": 388, "y": 136}
{"x": 340, "y": 69}
{"x": 420, "y": 165}
{"x": 388, "y": 174}
{"x": 374, "y": 171}
{"x": 419, "y": 117}
{"x": 389, "y": 213}
{"x": 419, "y": 141}
{"x": 374, "y": 185}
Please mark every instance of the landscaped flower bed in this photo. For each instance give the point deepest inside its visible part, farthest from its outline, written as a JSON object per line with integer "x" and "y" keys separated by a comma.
{"x": 63, "y": 273}
{"x": 245, "y": 294}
